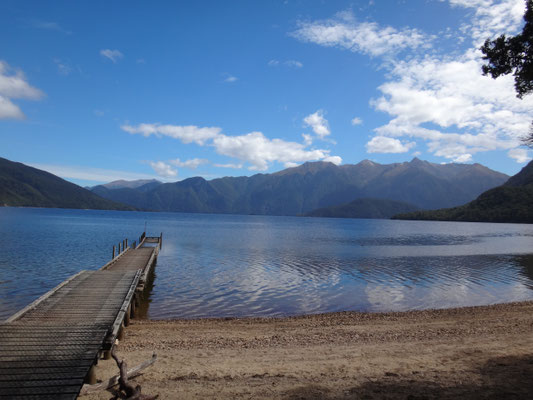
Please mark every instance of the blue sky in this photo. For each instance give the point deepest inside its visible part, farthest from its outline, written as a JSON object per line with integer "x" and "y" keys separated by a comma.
{"x": 97, "y": 91}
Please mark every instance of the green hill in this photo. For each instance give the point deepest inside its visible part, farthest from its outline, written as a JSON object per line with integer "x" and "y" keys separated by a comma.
{"x": 511, "y": 202}
{"x": 23, "y": 186}
{"x": 364, "y": 208}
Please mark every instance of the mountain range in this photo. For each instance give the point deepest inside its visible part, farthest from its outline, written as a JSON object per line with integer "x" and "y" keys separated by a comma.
{"x": 24, "y": 186}
{"x": 313, "y": 185}
{"x": 510, "y": 202}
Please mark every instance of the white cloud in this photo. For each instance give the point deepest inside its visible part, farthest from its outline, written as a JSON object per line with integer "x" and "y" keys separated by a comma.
{"x": 191, "y": 164}
{"x": 519, "y": 155}
{"x": 288, "y": 63}
{"x": 9, "y": 110}
{"x": 187, "y": 134}
{"x": 463, "y": 158}
{"x": 113, "y": 55}
{"x": 356, "y": 121}
{"x": 308, "y": 139}
{"x": 89, "y": 174}
{"x": 471, "y": 113}
{"x": 231, "y": 79}
{"x": 253, "y": 148}
{"x": 491, "y": 18}
{"x": 318, "y": 123}
{"x": 365, "y": 37}
{"x": 232, "y": 166}
{"x": 294, "y": 64}
{"x": 259, "y": 151}
{"x": 333, "y": 159}
{"x": 382, "y": 144}
{"x": 163, "y": 169}
{"x": 13, "y": 85}
{"x": 290, "y": 164}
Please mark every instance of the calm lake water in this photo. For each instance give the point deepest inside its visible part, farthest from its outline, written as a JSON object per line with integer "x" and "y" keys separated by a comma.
{"x": 233, "y": 265}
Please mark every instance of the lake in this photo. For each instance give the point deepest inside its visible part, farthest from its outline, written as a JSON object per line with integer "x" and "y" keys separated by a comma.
{"x": 236, "y": 265}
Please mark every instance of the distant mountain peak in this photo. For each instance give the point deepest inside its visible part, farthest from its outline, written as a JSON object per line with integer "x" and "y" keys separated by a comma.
{"x": 417, "y": 160}
{"x": 121, "y": 183}
{"x": 307, "y": 167}
{"x": 367, "y": 163}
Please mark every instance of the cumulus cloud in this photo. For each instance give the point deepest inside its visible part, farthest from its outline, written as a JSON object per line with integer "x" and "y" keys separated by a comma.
{"x": 491, "y": 18}
{"x": 356, "y": 121}
{"x": 187, "y": 134}
{"x": 191, "y": 164}
{"x": 13, "y": 85}
{"x": 468, "y": 112}
{"x": 253, "y": 148}
{"x": 471, "y": 113}
{"x": 382, "y": 144}
{"x": 230, "y": 165}
{"x": 318, "y": 123}
{"x": 333, "y": 159}
{"x": 259, "y": 151}
{"x": 369, "y": 38}
{"x": 519, "y": 155}
{"x": 163, "y": 169}
{"x": 113, "y": 55}
{"x": 442, "y": 100}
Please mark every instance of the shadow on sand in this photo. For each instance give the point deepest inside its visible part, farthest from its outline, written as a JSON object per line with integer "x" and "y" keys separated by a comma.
{"x": 499, "y": 378}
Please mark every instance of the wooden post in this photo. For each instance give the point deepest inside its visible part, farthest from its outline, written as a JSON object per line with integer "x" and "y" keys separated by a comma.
{"x": 107, "y": 355}
{"x": 127, "y": 316}
{"x": 113, "y": 252}
{"x": 133, "y": 307}
{"x": 161, "y": 241}
{"x": 91, "y": 376}
{"x": 121, "y": 332}
{"x": 126, "y": 243}
{"x": 123, "y": 245}
{"x": 119, "y": 249}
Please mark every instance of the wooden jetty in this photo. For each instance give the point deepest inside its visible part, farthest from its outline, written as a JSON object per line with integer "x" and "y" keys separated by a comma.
{"x": 49, "y": 349}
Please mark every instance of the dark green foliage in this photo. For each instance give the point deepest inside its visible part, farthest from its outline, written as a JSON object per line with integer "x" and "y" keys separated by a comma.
{"x": 513, "y": 54}
{"x": 511, "y": 202}
{"x": 295, "y": 191}
{"x": 365, "y": 208}
{"x": 23, "y": 186}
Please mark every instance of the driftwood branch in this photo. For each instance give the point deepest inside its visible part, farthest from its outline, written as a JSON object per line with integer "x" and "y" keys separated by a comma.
{"x": 131, "y": 392}
{"x": 136, "y": 371}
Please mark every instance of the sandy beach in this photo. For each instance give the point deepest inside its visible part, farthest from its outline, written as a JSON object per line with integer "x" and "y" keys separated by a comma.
{"x": 473, "y": 352}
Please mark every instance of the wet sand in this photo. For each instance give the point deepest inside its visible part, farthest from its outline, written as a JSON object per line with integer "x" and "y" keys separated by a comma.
{"x": 473, "y": 352}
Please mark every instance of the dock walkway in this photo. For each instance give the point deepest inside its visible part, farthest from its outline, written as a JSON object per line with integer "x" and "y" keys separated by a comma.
{"x": 49, "y": 349}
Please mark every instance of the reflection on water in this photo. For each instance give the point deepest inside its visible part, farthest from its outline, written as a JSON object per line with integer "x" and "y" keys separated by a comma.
{"x": 228, "y": 265}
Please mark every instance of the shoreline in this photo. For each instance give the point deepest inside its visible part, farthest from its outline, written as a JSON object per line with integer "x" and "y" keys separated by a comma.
{"x": 471, "y": 352}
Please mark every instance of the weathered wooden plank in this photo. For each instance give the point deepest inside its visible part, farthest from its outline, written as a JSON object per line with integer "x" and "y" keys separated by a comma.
{"x": 22, "y": 364}
{"x": 41, "y": 374}
{"x": 41, "y": 299}
{"x": 55, "y": 396}
{"x": 43, "y": 383}
{"x": 55, "y": 390}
